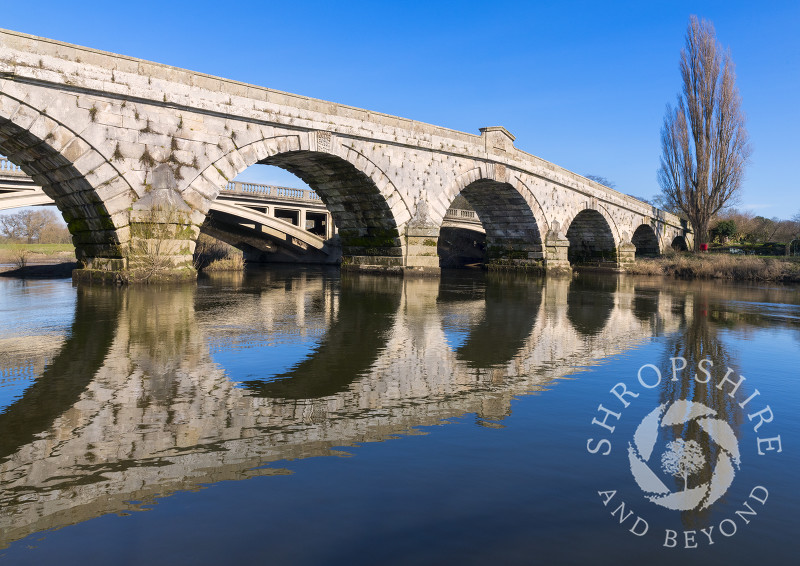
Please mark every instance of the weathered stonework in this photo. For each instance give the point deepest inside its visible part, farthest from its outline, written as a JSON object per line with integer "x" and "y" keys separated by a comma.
{"x": 92, "y": 128}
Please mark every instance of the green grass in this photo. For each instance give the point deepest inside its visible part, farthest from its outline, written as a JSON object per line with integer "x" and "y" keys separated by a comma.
{"x": 39, "y": 248}
{"x": 36, "y": 253}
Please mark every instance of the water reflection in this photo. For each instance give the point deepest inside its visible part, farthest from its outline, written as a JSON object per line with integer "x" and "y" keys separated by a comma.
{"x": 510, "y": 309}
{"x": 687, "y": 355}
{"x": 366, "y": 311}
{"x": 590, "y": 302}
{"x": 67, "y": 376}
{"x": 134, "y": 406}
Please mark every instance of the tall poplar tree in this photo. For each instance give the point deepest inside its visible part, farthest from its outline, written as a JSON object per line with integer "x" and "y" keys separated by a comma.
{"x": 704, "y": 142}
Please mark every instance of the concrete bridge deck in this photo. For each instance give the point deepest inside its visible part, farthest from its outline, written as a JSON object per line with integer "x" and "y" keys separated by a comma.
{"x": 133, "y": 151}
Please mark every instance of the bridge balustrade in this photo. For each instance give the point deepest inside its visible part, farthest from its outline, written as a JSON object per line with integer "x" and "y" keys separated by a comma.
{"x": 256, "y": 189}
{"x": 460, "y": 213}
{"x": 322, "y": 223}
{"x": 7, "y": 167}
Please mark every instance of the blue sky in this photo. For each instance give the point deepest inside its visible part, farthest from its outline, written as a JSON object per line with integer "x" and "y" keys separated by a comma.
{"x": 582, "y": 84}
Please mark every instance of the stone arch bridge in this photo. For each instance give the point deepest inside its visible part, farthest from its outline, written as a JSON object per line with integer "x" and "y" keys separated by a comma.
{"x": 267, "y": 223}
{"x": 134, "y": 153}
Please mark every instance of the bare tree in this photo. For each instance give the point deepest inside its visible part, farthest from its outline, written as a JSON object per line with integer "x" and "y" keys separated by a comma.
{"x": 602, "y": 181}
{"x": 25, "y": 225}
{"x": 704, "y": 141}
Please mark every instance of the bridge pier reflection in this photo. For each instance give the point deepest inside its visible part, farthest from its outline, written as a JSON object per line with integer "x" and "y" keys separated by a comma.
{"x": 142, "y": 409}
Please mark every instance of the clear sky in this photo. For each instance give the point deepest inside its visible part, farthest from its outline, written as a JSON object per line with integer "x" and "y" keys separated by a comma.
{"x": 582, "y": 84}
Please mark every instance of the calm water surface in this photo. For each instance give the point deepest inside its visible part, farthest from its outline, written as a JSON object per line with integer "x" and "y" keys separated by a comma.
{"x": 467, "y": 420}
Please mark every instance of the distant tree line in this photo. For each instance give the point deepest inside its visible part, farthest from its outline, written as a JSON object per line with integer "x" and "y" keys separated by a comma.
{"x": 42, "y": 226}
{"x": 745, "y": 227}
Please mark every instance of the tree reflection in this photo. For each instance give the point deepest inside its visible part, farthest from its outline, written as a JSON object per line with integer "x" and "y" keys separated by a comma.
{"x": 699, "y": 340}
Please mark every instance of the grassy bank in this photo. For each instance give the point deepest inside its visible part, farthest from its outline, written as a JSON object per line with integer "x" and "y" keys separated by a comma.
{"x": 212, "y": 255}
{"x": 36, "y": 253}
{"x": 713, "y": 266}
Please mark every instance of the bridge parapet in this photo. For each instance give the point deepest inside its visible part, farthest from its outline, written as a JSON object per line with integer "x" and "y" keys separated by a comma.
{"x": 272, "y": 191}
{"x": 461, "y": 214}
{"x": 8, "y": 168}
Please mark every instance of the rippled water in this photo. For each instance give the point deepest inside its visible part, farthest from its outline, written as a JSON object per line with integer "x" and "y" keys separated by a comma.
{"x": 390, "y": 421}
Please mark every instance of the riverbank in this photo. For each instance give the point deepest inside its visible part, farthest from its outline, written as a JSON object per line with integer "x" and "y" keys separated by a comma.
{"x": 37, "y": 260}
{"x": 719, "y": 266}
{"x": 23, "y": 254}
{"x": 39, "y": 270}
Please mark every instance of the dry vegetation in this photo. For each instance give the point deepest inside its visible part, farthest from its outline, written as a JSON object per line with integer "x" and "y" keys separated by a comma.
{"x": 212, "y": 255}
{"x": 713, "y": 266}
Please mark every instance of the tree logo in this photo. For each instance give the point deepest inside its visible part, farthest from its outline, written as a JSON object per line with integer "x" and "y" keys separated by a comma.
{"x": 684, "y": 458}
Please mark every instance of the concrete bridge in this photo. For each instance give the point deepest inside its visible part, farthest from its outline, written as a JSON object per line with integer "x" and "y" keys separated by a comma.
{"x": 134, "y": 152}
{"x": 75, "y": 446}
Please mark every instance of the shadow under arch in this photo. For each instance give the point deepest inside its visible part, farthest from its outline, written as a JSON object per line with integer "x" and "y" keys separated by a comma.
{"x": 591, "y": 238}
{"x": 646, "y": 241}
{"x": 358, "y": 208}
{"x": 368, "y": 307}
{"x": 71, "y": 371}
{"x": 506, "y": 216}
{"x": 679, "y": 244}
{"x": 365, "y": 205}
{"x": 511, "y": 308}
{"x": 590, "y": 300}
{"x": 59, "y": 160}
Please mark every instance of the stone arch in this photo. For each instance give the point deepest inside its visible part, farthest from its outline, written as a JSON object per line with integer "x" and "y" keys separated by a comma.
{"x": 679, "y": 244}
{"x": 490, "y": 172}
{"x": 591, "y": 236}
{"x": 92, "y": 195}
{"x": 507, "y": 209}
{"x": 367, "y": 208}
{"x": 646, "y": 241}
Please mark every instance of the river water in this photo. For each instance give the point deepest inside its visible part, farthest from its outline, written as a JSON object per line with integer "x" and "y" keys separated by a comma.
{"x": 308, "y": 417}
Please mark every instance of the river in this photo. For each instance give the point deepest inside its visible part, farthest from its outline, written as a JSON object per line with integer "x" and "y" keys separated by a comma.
{"x": 473, "y": 419}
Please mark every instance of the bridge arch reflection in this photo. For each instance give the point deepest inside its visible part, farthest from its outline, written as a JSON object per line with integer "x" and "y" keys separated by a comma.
{"x": 155, "y": 413}
{"x": 68, "y": 375}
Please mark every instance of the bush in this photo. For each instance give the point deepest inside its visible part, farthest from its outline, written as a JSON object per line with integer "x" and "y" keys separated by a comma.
{"x": 20, "y": 256}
